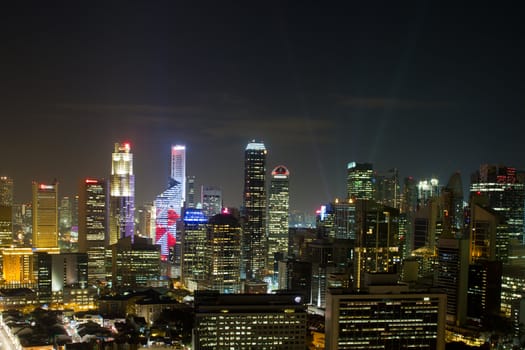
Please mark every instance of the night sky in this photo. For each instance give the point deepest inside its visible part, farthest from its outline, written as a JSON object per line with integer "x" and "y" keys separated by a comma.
{"x": 425, "y": 88}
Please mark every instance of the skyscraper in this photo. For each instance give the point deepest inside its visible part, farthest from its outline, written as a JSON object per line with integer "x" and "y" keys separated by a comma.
{"x": 93, "y": 225}
{"x": 223, "y": 253}
{"x": 254, "y": 212}
{"x": 360, "y": 181}
{"x": 167, "y": 213}
{"x": 278, "y": 217}
{"x": 190, "y": 192}
{"x": 194, "y": 264}
{"x": 178, "y": 169}
{"x": 376, "y": 245}
{"x": 211, "y": 199}
{"x": 6, "y": 211}
{"x": 505, "y": 192}
{"x": 122, "y": 190}
{"x": 45, "y": 215}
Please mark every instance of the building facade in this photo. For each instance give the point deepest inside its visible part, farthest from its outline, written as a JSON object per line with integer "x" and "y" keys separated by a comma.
{"x": 93, "y": 226}
{"x": 122, "y": 194}
{"x": 45, "y": 215}
{"x": 254, "y": 212}
{"x": 278, "y": 218}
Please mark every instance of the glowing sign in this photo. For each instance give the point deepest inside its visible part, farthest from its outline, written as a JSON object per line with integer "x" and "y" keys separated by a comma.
{"x": 194, "y": 216}
{"x": 46, "y": 187}
{"x": 91, "y": 181}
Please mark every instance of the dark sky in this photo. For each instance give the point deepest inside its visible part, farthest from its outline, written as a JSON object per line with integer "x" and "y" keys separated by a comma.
{"x": 420, "y": 86}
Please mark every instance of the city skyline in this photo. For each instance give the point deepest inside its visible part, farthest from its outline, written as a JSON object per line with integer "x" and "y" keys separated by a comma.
{"x": 425, "y": 88}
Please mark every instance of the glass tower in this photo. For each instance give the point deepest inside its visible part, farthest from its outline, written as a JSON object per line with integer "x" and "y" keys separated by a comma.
{"x": 122, "y": 200}
{"x": 93, "y": 225}
{"x": 278, "y": 216}
{"x": 254, "y": 212}
{"x": 178, "y": 169}
{"x": 6, "y": 211}
{"x": 45, "y": 215}
{"x": 360, "y": 181}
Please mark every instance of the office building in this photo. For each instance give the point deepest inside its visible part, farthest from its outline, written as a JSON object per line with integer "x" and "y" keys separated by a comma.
{"x": 384, "y": 319}
{"x": 336, "y": 220}
{"x": 376, "y": 244}
{"x": 6, "y": 212}
{"x": 18, "y": 268}
{"x": 278, "y": 218}
{"x": 505, "y": 193}
{"x": 387, "y": 188}
{"x": 249, "y": 321}
{"x": 122, "y": 194}
{"x": 223, "y": 254}
{"x": 178, "y": 170}
{"x": 93, "y": 226}
{"x": 190, "y": 192}
{"x": 211, "y": 200}
{"x": 45, "y": 216}
{"x": 194, "y": 265}
{"x": 253, "y": 243}
{"x": 167, "y": 214}
{"x": 135, "y": 263}
{"x": 360, "y": 181}
{"x": 427, "y": 189}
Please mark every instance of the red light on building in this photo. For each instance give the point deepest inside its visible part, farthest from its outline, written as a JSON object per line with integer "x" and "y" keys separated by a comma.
{"x": 91, "y": 181}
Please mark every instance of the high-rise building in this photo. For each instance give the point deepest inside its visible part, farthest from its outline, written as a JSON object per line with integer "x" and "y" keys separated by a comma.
{"x": 93, "y": 225}
{"x": 360, "y": 181}
{"x": 427, "y": 189}
{"x": 505, "y": 192}
{"x": 223, "y": 253}
{"x": 387, "y": 188}
{"x": 278, "y": 217}
{"x": 135, "y": 263}
{"x": 167, "y": 214}
{"x": 178, "y": 169}
{"x": 6, "y": 211}
{"x": 376, "y": 245}
{"x": 249, "y": 321}
{"x": 45, "y": 215}
{"x": 211, "y": 200}
{"x": 190, "y": 192}
{"x": 194, "y": 265}
{"x": 122, "y": 194}
{"x": 254, "y": 212}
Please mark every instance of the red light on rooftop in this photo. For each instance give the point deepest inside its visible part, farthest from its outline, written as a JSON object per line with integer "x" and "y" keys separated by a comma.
{"x": 91, "y": 181}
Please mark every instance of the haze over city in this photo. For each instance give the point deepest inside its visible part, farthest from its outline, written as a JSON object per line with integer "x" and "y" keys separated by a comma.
{"x": 426, "y": 88}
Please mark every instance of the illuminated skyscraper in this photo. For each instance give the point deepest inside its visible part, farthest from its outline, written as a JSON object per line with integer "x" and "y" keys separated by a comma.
{"x": 167, "y": 213}
{"x": 190, "y": 192}
{"x": 178, "y": 169}
{"x": 376, "y": 245}
{"x": 211, "y": 199}
{"x": 360, "y": 181}
{"x": 278, "y": 217}
{"x": 427, "y": 189}
{"x": 122, "y": 194}
{"x": 223, "y": 254}
{"x": 254, "y": 212}
{"x": 505, "y": 192}
{"x": 45, "y": 215}
{"x": 194, "y": 264}
{"x": 387, "y": 188}
{"x": 93, "y": 225}
{"x": 6, "y": 211}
